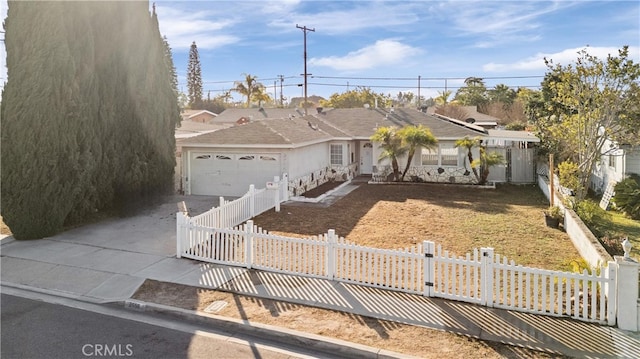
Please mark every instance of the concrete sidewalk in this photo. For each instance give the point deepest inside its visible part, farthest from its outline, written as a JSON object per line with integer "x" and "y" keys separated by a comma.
{"x": 108, "y": 261}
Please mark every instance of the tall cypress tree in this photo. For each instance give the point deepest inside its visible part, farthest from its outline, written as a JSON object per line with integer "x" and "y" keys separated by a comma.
{"x": 194, "y": 77}
{"x": 88, "y": 112}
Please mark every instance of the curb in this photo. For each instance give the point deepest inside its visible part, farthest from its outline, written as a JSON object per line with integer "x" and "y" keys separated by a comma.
{"x": 313, "y": 342}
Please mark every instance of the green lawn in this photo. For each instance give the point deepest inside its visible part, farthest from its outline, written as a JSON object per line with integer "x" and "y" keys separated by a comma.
{"x": 624, "y": 226}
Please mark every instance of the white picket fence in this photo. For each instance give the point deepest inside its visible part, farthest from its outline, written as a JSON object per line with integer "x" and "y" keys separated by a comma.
{"x": 254, "y": 202}
{"x": 480, "y": 277}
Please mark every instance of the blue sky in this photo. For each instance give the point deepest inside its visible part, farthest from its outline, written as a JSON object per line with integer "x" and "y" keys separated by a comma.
{"x": 360, "y": 43}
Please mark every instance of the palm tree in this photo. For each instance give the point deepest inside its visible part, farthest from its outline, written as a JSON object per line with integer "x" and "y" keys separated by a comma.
{"x": 469, "y": 144}
{"x": 391, "y": 145}
{"x": 443, "y": 97}
{"x": 413, "y": 138}
{"x": 249, "y": 88}
{"x": 485, "y": 161}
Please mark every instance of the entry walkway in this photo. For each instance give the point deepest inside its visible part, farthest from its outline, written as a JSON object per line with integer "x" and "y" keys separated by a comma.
{"x": 108, "y": 261}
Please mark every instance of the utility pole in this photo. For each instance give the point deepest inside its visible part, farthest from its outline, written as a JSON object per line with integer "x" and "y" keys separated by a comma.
{"x": 305, "y": 30}
{"x": 281, "y": 98}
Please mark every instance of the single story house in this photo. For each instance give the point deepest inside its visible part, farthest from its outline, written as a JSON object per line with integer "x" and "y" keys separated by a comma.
{"x": 617, "y": 161}
{"x": 202, "y": 116}
{"x": 334, "y": 144}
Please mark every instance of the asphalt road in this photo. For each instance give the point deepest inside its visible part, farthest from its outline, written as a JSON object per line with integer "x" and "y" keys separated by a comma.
{"x": 37, "y": 329}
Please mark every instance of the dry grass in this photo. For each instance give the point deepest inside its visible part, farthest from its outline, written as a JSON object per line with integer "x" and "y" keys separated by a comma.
{"x": 460, "y": 218}
{"x": 407, "y": 339}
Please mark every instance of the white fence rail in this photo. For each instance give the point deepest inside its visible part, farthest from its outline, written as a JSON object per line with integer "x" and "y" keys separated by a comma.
{"x": 479, "y": 277}
{"x": 256, "y": 201}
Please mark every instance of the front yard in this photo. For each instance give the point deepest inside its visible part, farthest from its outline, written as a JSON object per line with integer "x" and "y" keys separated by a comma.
{"x": 460, "y": 218}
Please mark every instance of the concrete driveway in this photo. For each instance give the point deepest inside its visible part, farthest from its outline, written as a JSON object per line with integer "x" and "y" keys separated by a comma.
{"x": 107, "y": 261}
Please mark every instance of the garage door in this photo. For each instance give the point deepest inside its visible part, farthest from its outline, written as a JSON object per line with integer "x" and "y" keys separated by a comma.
{"x": 230, "y": 174}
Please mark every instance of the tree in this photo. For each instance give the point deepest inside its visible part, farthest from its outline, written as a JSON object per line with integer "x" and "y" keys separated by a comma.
{"x": 392, "y": 147}
{"x": 194, "y": 77}
{"x": 359, "y": 97}
{"x": 443, "y": 97}
{"x": 502, "y": 93}
{"x": 486, "y": 160}
{"x": 250, "y": 88}
{"x": 586, "y": 104}
{"x": 414, "y": 137}
{"x": 100, "y": 135}
{"x": 473, "y": 94}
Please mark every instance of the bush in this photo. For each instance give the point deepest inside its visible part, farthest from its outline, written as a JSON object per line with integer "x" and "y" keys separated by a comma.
{"x": 627, "y": 196}
{"x": 568, "y": 175}
{"x": 593, "y": 216}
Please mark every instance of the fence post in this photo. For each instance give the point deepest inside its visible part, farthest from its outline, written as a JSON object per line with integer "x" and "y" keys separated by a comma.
{"x": 276, "y": 180}
{"x": 248, "y": 243}
{"x": 331, "y": 254}
{"x": 611, "y": 274}
{"x": 486, "y": 275}
{"x": 179, "y": 233}
{"x": 285, "y": 184}
{"x": 428, "y": 268}
{"x": 627, "y": 293}
{"x": 252, "y": 201}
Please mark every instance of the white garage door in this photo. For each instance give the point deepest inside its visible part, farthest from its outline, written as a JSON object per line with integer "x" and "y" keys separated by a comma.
{"x": 230, "y": 174}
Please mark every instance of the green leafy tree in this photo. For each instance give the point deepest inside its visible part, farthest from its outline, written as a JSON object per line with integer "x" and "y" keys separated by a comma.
{"x": 251, "y": 89}
{"x": 413, "y": 138}
{"x": 357, "y": 98}
{"x": 194, "y": 77}
{"x": 588, "y": 103}
{"x": 474, "y": 93}
{"x": 101, "y": 133}
{"x": 443, "y": 97}
{"x": 392, "y": 147}
{"x": 502, "y": 93}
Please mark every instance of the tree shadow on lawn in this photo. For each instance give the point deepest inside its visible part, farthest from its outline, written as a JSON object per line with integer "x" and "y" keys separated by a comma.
{"x": 345, "y": 214}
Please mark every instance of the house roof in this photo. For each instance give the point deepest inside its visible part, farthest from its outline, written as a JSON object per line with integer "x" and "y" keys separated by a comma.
{"x": 338, "y": 124}
{"x": 507, "y": 135}
{"x": 192, "y": 128}
{"x": 472, "y": 112}
{"x": 283, "y": 132}
{"x": 232, "y": 115}
{"x": 362, "y": 122}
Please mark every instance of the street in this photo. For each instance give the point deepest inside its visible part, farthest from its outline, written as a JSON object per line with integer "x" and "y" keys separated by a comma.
{"x": 37, "y": 329}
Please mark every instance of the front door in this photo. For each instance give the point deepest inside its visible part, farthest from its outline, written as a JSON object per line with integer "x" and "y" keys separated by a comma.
{"x": 366, "y": 158}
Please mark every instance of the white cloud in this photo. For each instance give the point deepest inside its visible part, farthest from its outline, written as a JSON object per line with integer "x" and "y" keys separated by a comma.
{"x": 363, "y": 15}
{"x": 382, "y": 53}
{"x": 564, "y": 57}
{"x": 182, "y": 28}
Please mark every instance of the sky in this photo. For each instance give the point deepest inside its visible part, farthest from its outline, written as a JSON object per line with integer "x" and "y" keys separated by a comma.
{"x": 388, "y": 46}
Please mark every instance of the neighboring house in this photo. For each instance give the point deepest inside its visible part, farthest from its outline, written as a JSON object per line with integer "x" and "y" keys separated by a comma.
{"x": 330, "y": 145}
{"x": 202, "y": 116}
{"x": 474, "y": 117}
{"x": 243, "y": 115}
{"x": 616, "y": 162}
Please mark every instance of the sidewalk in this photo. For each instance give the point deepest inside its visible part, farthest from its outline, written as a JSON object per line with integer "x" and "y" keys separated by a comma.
{"x": 108, "y": 261}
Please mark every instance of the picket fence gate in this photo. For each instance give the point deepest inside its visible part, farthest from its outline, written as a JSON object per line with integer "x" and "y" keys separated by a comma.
{"x": 481, "y": 277}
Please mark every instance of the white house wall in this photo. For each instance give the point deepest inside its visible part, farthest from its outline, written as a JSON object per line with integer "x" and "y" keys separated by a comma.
{"x": 307, "y": 159}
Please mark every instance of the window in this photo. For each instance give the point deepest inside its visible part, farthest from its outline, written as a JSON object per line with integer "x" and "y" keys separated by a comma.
{"x": 448, "y": 156}
{"x": 203, "y": 157}
{"x": 222, "y": 157}
{"x": 442, "y": 156}
{"x": 336, "y": 155}
{"x": 247, "y": 158}
{"x": 429, "y": 157}
{"x": 612, "y": 161}
{"x": 268, "y": 158}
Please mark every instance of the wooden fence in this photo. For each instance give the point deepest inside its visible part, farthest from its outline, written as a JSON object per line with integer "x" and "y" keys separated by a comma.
{"x": 479, "y": 277}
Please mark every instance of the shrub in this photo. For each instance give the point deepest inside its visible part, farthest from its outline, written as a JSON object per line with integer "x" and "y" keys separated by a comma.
{"x": 627, "y": 197}
{"x": 568, "y": 175}
{"x": 593, "y": 216}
